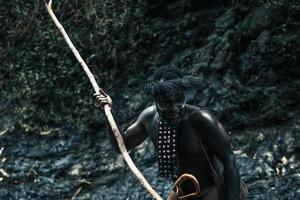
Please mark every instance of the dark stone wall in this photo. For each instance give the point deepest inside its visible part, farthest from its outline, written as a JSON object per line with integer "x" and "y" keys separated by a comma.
{"x": 52, "y": 138}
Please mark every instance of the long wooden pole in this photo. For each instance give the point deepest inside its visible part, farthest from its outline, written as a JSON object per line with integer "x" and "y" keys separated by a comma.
{"x": 108, "y": 113}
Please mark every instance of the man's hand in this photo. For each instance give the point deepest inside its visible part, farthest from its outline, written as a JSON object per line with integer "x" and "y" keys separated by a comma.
{"x": 101, "y": 99}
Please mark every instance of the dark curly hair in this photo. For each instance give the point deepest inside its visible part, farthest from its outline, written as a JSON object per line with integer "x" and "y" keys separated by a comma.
{"x": 168, "y": 79}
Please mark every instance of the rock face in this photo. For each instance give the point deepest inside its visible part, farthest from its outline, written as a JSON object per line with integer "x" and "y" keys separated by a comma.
{"x": 52, "y": 141}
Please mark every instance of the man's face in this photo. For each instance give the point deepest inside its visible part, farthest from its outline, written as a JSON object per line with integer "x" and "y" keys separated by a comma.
{"x": 170, "y": 106}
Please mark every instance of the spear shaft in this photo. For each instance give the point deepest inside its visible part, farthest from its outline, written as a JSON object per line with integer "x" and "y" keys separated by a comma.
{"x": 107, "y": 111}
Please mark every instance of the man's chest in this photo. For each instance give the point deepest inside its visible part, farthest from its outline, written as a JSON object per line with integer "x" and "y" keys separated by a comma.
{"x": 187, "y": 138}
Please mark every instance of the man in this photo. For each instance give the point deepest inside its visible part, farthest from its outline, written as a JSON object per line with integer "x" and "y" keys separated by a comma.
{"x": 187, "y": 139}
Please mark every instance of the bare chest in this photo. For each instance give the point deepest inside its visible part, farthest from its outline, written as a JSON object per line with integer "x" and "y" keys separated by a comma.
{"x": 188, "y": 140}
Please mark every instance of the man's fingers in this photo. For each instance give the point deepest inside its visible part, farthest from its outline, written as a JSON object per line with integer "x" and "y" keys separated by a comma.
{"x": 100, "y": 104}
{"x": 102, "y": 92}
{"x": 104, "y": 102}
{"x": 101, "y": 98}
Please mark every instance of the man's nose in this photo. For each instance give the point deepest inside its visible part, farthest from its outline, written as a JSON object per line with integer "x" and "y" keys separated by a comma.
{"x": 174, "y": 107}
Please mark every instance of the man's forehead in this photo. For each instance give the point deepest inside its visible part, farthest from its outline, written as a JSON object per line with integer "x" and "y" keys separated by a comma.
{"x": 170, "y": 95}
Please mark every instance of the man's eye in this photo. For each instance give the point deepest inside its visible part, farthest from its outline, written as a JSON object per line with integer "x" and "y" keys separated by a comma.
{"x": 180, "y": 99}
{"x": 164, "y": 104}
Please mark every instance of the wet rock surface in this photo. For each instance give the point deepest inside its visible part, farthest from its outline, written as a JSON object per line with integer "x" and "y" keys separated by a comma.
{"x": 52, "y": 139}
{"x": 69, "y": 164}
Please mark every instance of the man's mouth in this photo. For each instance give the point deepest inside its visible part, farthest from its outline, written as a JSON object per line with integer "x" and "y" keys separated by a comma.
{"x": 172, "y": 116}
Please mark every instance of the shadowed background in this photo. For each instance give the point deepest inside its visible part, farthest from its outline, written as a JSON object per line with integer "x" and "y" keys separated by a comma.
{"x": 52, "y": 138}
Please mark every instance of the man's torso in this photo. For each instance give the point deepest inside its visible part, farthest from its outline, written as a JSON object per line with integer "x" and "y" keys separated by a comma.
{"x": 190, "y": 156}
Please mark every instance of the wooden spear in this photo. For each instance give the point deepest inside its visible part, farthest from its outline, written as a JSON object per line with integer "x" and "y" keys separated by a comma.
{"x": 107, "y": 111}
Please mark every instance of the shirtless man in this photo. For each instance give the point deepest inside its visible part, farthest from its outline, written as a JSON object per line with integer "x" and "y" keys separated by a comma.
{"x": 184, "y": 137}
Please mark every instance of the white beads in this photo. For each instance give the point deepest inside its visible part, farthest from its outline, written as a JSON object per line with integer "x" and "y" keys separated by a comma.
{"x": 166, "y": 149}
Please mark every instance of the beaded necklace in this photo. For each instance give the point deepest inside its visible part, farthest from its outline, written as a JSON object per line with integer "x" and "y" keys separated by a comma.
{"x": 167, "y": 149}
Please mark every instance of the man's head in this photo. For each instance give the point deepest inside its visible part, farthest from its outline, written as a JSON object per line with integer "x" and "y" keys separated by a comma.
{"x": 168, "y": 87}
{"x": 170, "y": 106}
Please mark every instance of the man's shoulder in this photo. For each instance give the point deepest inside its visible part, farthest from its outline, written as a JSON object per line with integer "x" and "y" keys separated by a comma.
{"x": 149, "y": 112}
{"x": 199, "y": 113}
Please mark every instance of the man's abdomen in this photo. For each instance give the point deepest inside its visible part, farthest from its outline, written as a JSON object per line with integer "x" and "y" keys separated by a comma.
{"x": 199, "y": 168}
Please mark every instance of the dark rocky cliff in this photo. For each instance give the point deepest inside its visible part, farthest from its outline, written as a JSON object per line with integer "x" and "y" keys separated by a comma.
{"x": 52, "y": 138}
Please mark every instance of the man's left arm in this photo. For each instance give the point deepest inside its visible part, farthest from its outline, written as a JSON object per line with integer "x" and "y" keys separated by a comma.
{"x": 217, "y": 140}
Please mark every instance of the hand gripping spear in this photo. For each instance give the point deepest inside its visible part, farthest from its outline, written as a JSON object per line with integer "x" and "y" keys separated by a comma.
{"x": 107, "y": 111}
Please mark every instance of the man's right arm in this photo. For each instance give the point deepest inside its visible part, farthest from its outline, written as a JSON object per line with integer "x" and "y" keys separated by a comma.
{"x": 133, "y": 136}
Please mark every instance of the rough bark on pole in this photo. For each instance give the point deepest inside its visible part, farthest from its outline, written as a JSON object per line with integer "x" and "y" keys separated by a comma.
{"x": 108, "y": 113}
